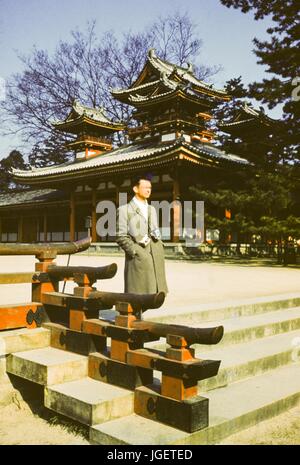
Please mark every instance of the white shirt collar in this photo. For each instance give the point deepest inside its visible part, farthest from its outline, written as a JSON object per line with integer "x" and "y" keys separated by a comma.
{"x": 143, "y": 206}
{"x": 140, "y": 203}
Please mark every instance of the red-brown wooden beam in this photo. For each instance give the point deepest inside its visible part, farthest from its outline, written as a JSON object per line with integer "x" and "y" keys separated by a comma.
{"x": 18, "y": 316}
{"x": 72, "y": 216}
{"x": 176, "y": 209}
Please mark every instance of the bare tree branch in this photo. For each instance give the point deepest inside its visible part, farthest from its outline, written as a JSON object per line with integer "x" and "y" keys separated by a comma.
{"x": 86, "y": 68}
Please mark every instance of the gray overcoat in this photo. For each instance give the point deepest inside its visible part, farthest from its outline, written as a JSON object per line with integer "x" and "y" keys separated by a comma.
{"x": 144, "y": 266}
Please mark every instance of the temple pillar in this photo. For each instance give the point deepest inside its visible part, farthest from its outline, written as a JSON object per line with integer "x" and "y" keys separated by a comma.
{"x": 94, "y": 215}
{"x": 117, "y": 194}
{"x": 176, "y": 210}
{"x": 72, "y": 216}
{"x": 20, "y": 229}
{"x": 45, "y": 227}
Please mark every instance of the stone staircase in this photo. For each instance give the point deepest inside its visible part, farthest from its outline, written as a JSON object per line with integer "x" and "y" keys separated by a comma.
{"x": 14, "y": 341}
{"x": 259, "y": 375}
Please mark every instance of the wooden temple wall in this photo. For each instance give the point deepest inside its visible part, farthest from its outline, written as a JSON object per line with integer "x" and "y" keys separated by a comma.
{"x": 65, "y": 221}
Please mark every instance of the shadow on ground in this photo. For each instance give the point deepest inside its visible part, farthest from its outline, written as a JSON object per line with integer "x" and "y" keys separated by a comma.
{"x": 32, "y": 395}
{"x": 239, "y": 261}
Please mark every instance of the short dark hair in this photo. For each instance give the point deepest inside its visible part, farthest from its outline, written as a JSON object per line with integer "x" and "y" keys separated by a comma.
{"x": 137, "y": 179}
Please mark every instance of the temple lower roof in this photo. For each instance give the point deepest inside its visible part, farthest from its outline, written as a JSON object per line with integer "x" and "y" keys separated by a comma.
{"x": 125, "y": 157}
{"x": 28, "y": 196}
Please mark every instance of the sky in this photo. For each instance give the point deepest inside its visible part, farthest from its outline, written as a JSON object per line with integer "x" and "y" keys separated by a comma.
{"x": 227, "y": 34}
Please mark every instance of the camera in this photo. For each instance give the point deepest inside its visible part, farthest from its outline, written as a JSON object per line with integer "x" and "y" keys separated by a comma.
{"x": 144, "y": 241}
{"x": 155, "y": 234}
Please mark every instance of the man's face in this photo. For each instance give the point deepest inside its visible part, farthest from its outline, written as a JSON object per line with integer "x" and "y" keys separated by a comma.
{"x": 143, "y": 190}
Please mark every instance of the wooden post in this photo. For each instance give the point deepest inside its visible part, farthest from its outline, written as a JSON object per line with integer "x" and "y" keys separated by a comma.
{"x": 178, "y": 388}
{"x": 176, "y": 210}
{"x": 117, "y": 193}
{"x": 72, "y": 216}
{"x": 20, "y": 229}
{"x": 94, "y": 216}
{"x": 45, "y": 227}
{"x": 39, "y": 287}
{"x": 119, "y": 349}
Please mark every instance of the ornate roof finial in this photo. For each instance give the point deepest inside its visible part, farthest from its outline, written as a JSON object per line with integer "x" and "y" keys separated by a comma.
{"x": 262, "y": 109}
{"x": 151, "y": 53}
{"x": 190, "y": 68}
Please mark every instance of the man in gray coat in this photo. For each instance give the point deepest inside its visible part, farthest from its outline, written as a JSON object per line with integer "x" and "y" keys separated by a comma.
{"x": 138, "y": 235}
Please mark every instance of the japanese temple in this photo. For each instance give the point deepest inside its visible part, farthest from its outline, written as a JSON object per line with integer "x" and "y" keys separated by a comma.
{"x": 257, "y": 130}
{"x": 172, "y": 140}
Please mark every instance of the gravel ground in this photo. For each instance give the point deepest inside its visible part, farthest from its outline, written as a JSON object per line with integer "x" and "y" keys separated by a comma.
{"x": 189, "y": 283}
{"x": 19, "y": 425}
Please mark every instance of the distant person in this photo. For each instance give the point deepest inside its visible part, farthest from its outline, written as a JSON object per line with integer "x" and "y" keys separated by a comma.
{"x": 289, "y": 256}
{"x": 138, "y": 235}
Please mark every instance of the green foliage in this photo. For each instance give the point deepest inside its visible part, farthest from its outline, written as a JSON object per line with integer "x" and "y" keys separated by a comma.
{"x": 14, "y": 160}
{"x": 267, "y": 202}
{"x": 262, "y": 207}
{"x": 280, "y": 54}
{"x": 52, "y": 151}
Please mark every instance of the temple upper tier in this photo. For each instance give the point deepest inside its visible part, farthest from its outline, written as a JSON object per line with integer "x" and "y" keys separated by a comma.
{"x": 92, "y": 127}
{"x": 173, "y": 110}
{"x": 249, "y": 123}
{"x": 170, "y": 101}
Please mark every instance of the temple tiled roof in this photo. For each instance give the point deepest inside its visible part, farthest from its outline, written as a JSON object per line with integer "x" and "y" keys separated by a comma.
{"x": 217, "y": 153}
{"x": 236, "y": 123}
{"x": 170, "y": 78}
{"x": 141, "y": 98}
{"x": 185, "y": 73}
{"x": 29, "y": 196}
{"x": 94, "y": 114}
{"x": 126, "y": 155}
{"x": 247, "y": 115}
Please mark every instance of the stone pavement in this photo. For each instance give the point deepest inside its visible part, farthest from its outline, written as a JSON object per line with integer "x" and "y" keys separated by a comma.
{"x": 190, "y": 283}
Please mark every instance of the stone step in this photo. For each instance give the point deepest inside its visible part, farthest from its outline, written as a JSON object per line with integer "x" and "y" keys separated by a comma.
{"x": 18, "y": 340}
{"x": 232, "y": 409}
{"x": 89, "y": 401}
{"x": 240, "y": 361}
{"x": 190, "y": 313}
{"x": 47, "y": 366}
{"x": 243, "y": 329}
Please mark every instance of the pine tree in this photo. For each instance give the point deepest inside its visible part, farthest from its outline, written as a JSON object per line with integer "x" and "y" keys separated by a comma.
{"x": 51, "y": 151}
{"x": 266, "y": 203}
{"x": 13, "y": 160}
{"x": 281, "y": 56}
